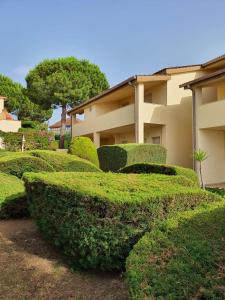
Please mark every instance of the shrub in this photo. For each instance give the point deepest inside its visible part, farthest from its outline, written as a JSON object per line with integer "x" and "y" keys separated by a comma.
{"x": 161, "y": 169}
{"x": 65, "y": 162}
{"x": 18, "y": 163}
{"x": 53, "y": 145}
{"x": 34, "y": 139}
{"x": 84, "y": 148}
{"x": 13, "y": 202}
{"x": 114, "y": 157}
{"x": 181, "y": 258}
{"x": 96, "y": 218}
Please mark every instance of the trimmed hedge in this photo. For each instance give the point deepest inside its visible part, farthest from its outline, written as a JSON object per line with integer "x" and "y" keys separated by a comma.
{"x": 96, "y": 218}
{"x": 181, "y": 258}
{"x": 161, "y": 169}
{"x": 83, "y": 147}
{"x": 114, "y": 157}
{"x": 18, "y": 163}
{"x": 65, "y": 162}
{"x": 13, "y": 202}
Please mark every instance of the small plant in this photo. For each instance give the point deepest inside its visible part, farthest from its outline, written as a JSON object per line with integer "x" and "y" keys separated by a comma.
{"x": 200, "y": 156}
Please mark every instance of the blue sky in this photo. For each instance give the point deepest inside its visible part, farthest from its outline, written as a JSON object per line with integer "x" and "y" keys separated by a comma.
{"x": 124, "y": 37}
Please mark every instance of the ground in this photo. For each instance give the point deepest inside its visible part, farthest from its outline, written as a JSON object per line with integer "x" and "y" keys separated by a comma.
{"x": 32, "y": 269}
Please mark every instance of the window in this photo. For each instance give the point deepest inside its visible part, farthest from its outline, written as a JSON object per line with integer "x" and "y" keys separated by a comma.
{"x": 156, "y": 140}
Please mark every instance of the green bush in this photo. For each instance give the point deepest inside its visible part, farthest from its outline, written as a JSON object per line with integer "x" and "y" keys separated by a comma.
{"x": 34, "y": 139}
{"x": 96, "y": 218}
{"x": 84, "y": 148}
{"x": 161, "y": 169}
{"x": 13, "y": 202}
{"x": 114, "y": 157}
{"x": 181, "y": 258}
{"x": 53, "y": 145}
{"x": 65, "y": 162}
{"x": 18, "y": 163}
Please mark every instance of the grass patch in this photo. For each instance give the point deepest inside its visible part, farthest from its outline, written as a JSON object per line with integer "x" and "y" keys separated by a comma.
{"x": 96, "y": 218}
{"x": 13, "y": 202}
{"x": 181, "y": 258}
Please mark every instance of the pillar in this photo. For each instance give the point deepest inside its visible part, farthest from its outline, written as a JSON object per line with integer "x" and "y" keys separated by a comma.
{"x": 138, "y": 116}
{"x": 96, "y": 138}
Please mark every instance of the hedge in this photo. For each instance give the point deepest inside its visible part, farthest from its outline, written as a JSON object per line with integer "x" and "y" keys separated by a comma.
{"x": 114, "y": 157}
{"x": 161, "y": 169}
{"x": 96, "y": 218}
{"x": 84, "y": 148}
{"x": 13, "y": 202}
{"x": 65, "y": 162}
{"x": 34, "y": 139}
{"x": 181, "y": 258}
{"x": 18, "y": 163}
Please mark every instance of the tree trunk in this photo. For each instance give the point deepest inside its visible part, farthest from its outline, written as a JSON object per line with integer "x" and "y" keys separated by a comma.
{"x": 63, "y": 127}
{"x": 200, "y": 171}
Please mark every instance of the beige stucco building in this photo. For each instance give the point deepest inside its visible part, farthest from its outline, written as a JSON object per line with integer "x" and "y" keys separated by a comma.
{"x": 157, "y": 108}
{"x": 7, "y": 123}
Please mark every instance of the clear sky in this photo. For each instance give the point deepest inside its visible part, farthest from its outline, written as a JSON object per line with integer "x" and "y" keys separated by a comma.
{"x": 124, "y": 37}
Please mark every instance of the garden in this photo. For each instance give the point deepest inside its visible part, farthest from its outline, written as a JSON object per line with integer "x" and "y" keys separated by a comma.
{"x": 121, "y": 209}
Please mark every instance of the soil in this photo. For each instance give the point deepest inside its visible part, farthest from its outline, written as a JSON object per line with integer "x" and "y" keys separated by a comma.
{"x": 30, "y": 268}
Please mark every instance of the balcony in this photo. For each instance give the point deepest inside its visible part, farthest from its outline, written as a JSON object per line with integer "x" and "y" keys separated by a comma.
{"x": 211, "y": 115}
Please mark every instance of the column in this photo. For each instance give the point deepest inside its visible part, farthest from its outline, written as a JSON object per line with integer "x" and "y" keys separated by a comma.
{"x": 138, "y": 113}
{"x": 96, "y": 138}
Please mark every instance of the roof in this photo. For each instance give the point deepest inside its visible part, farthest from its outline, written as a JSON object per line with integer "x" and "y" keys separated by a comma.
{"x": 130, "y": 80}
{"x": 212, "y": 76}
{"x": 179, "y": 69}
{"x": 214, "y": 60}
{"x": 58, "y": 124}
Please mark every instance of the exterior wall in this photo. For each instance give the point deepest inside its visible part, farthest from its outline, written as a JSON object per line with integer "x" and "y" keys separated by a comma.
{"x": 1, "y": 105}
{"x": 9, "y": 126}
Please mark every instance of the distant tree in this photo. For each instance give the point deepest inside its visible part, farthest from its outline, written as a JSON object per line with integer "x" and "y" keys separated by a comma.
{"x": 200, "y": 156}
{"x": 19, "y": 104}
{"x": 64, "y": 82}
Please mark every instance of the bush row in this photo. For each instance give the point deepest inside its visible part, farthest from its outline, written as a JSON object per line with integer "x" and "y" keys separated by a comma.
{"x": 13, "y": 202}
{"x": 96, "y": 218}
{"x": 181, "y": 258}
{"x": 114, "y": 157}
{"x": 147, "y": 168}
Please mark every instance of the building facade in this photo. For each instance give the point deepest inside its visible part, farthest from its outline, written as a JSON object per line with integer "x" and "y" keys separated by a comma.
{"x": 7, "y": 123}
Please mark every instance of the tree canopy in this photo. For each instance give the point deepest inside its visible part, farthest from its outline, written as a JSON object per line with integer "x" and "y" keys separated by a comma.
{"x": 19, "y": 104}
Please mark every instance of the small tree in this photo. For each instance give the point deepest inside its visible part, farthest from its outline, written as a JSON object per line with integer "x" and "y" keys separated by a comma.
{"x": 200, "y": 156}
{"x": 64, "y": 82}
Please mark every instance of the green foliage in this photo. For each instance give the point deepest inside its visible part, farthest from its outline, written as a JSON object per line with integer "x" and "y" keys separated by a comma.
{"x": 146, "y": 168}
{"x": 114, "y": 157}
{"x": 33, "y": 125}
{"x": 96, "y": 218}
{"x": 34, "y": 139}
{"x": 19, "y": 104}
{"x": 219, "y": 191}
{"x": 65, "y": 162}
{"x": 67, "y": 140}
{"x": 13, "y": 202}
{"x": 200, "y": 155}
{"x": 18, "y": 163}
{"x": 53, "y": 145}
{"x": 181, "y": 258}
{"x": 84, "y": 148}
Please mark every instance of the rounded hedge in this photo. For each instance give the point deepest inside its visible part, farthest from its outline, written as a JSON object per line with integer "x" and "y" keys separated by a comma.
{"x": 84, "y": 148}
{"x": 145, "y": 168}
{"x": 114, "y": 157}
{"x": 181, "y": 258}
{"x": 18, "y": 163}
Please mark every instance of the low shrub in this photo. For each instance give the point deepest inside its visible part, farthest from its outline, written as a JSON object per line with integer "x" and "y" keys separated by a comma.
{"x": 13, "y": 202}
{"x": 96, "y": 218}
{"x": 161, "y": 169}
{"x": 84, "y": 148}
{"x": 114, "y": 157}
{"x": 53, "y": 145}
{"x": 18, "y": 163}
{"x": 34, "y": 139}
{"x": 65, "y": 162}
{"x": 181, "y": 258}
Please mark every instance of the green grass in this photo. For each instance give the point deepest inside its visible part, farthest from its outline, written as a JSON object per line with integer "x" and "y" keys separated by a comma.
{"x": 181, "y": 258}
{"x": 12, "y": 197}
{"x": 65, "y": 162}
{"x": 96, "y": 218}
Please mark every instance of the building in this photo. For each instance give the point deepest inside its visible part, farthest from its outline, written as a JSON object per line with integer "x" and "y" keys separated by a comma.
{"x": 56, "y": 126}
{"x": 7, "y": 123}
{"x": 157, "y": 108}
